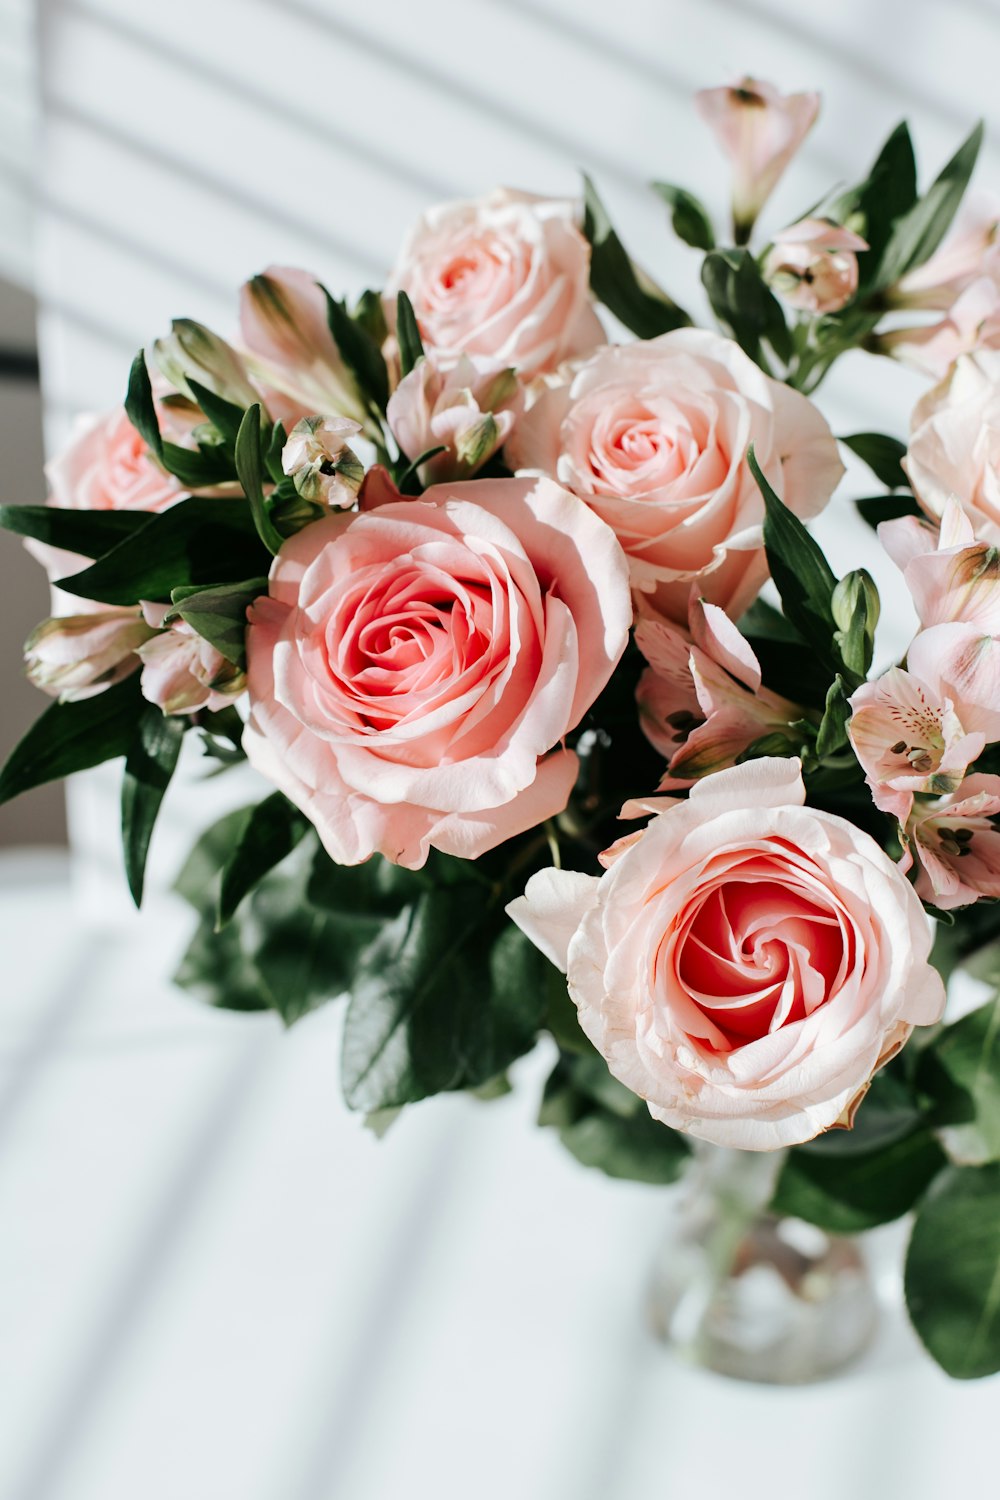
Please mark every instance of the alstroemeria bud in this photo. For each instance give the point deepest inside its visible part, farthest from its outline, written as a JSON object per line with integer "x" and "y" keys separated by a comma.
{"x": 76, "y": 656}
{"x": 760, "y": 131}
{"x": 284, "y": 329}
{"x": 181, "y": 671}
{"x": 813, "y": 265}
{"x": 467, "y": 406}
{"x": 849, "y": 592}
{"x": 320, "y": 464}
{"x": 195, "y": 352}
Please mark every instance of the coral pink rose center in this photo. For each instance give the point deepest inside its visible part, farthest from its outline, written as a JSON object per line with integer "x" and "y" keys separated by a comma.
{"x": 757, "y": 952}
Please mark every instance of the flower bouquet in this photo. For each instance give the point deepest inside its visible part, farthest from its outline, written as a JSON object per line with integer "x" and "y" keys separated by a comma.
{"x": 478, "y": 592}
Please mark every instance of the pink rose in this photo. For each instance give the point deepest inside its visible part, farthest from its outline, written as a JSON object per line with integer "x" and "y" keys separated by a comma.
{"x": 467, "y": 406}
{"x": 813, "y": 265}
{"x": 181, "y": 671}
{"x": 745, "y": 963}
{"x": 414, "y": 665}
{"x": 505, "y": 276}
{"x": 107, "y": 466}
{"x": 654, "y": 435}
{"x": 760, "y": 131}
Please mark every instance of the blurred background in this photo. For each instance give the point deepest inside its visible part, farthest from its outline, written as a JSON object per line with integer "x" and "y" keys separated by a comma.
{"x": 213, "y": 1282}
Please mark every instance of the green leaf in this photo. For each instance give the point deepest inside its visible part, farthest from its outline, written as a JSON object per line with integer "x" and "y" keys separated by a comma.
{"x": 845, "y": 1194}
{"x": 219, "y": 614}
{"x": 832, "y": 734}
{"x": 217, "y": 971}
{"x": 606, "y": 1126}
{"x": 272, "y": 830}
{"x": 369, "y": 314}
{"x": 432, "y": 1009}
{"x": 800, "y": 571}
{"x": 615, "y": 280}
{"x": 874, "y": 509}
{"x": 202, "y": 468}
{"x": 250, "y": 468}
{"x": 882, "y": 454}
{"x": 888, "y": 1112}
{"x": 743, "y": 301}
{"x": 140, "y": 407}
{"x": 689, "y": 217}
{"x": 197, "y": 881}
{"x": 149, "y": 764}
{"x": 360, "y": 354}
{"x": 88, "y": 532}
{"x": 877, "y": 203}
{"x": 952, "y": 1276}
{"x": 73, "y": 737}
{"x": 411, "y": 346}
{"x": 920, "y": 231}
{"x": 961, "y": 1072}
{"x": 198, "y": 541}
{"x": 275, "y": 448}
{"x": 225, "y": 416}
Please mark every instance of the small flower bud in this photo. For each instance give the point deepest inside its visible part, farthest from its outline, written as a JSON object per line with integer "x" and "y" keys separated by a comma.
{"x": 76, "y": 656}
{"x": 814, "y": 265}
{"x": 320, "y": 464}
{"x": 195, "y": 352}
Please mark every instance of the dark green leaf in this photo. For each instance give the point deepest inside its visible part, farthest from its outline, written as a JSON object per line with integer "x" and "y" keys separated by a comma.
{"x": 743, "y": 301}
{"x": 90, "y": 533}
{"x": 360, "y": 353}
{"x": 270, "y": 833}
{"x": 219, "y": 614}
{"x": 149, "y": 764}
{"x": 800, "y": 571}
{"x": 275, "y": 448}
{"x": 197, "y": 882}
{"x": 688, "y": 215}
{"x": 845, "y": 1194}
{"x": 875, "y": 509}
{"x": 217, "y": 971}
{"x": 882, "y": 454}
{"x": 140, "y": 407}
{"x": 615, "y": 280}
{"x": 369, "y": 314}
{"x": 225, "y": 416}
{"x": 73, "y": 737}
{"x": 762, "y": 622}
{"x": 198, "y": 541}
{"x": 250, "y": 468}
{"x": 430, "y": 1010}
{"x": 961, "y": 1071}
{"x": 605, "y": 1125}
{"x": 886, "y": 194}
{"x": 888, "y": 1112}
{"x": 411, "y": 346}
{"x": 952, "y": 1278}
{"x": 202, "y": 468}
{"x": 918, "y": 233}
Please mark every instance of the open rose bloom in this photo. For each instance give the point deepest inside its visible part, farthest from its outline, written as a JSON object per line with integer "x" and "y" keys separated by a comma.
{"x": 496, "y": 581}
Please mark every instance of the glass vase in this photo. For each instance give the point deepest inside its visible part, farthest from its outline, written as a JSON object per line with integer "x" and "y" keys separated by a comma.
{"x": 751, "y": 1294}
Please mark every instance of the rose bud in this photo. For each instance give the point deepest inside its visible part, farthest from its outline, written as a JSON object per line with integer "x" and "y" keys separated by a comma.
{"x": 320, "y": 464}
{"x": 76, "y": 656}
{"x": 467, "y": 406}
{"x": 760, "y": 130}
{"x": 195, "y": 352}
{"x": 813, "y": 265}
{"x": 181, "y": 671}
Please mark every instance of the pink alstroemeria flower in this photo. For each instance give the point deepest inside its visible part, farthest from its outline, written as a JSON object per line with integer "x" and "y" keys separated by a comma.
{"x": 972, "y": 323}
{"x": 760, "y": 130}
{"x": 701, "y": 703}
{"x": 908, "y": 739}
{"x": 971, "y": 250}
{"x": 961, "y": 663}
{"x": 952, "y": 577}
{"x": 957, "y": 844}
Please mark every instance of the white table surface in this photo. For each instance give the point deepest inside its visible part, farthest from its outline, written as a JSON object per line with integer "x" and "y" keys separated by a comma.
{"x": 216, "y": 1285}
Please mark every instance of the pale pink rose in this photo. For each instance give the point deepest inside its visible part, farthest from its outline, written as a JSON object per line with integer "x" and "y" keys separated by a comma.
{"x": 972, "y": 324}
{"x": 760, "y": 131}
{"x": 701, "y": 702}
{"x": 954, "y": 449}
{"x": 467, "y": 406}
{"x": 909, "y": 738}
{"x": 506, "y": 276}
{"x": 75, "y": 656}
{"x": 745, "y": 964}
{"x": 961, "y": 663}
{"x": 290, "y": 350}
{"x": 957, "y": 845}
{"x": 952, "y": 578}
{"x": 181, "y": 671}
{"x": 416, "y": 666}
{"x": 813, "y": 265}
{"x": 654, "y": 435}
{"x": 969, "y": 252}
